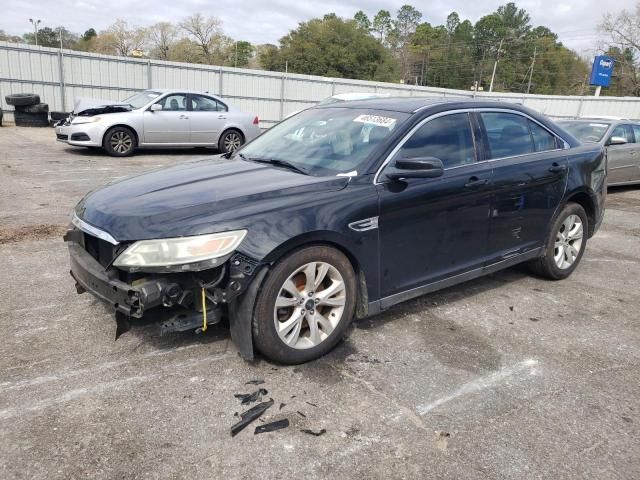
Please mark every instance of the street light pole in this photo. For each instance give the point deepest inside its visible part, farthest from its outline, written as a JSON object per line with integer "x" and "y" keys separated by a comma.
{"x": 35, "y": 29}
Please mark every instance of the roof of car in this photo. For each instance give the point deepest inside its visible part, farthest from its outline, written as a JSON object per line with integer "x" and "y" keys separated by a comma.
{"x": 179, "y": 90}
{"x": 413, "y": 104}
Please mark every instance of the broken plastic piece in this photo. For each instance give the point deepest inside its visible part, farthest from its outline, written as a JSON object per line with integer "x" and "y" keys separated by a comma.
{"x": 257, "y": 381}
{"x": 282, "y": 405}
{"x": 312, "y": 404}
{"x": 123, "y": 324}
{"x": 315, "y": 434}
{"x": 272, "y": 427}
{"x": 247, "y": 398}
{"x": 249, "y": 416}
{"x": 301, "y": 414}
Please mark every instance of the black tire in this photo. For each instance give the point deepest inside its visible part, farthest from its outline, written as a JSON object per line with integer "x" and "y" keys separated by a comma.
{"x": 119, "y": 134}
{"x": 230, "y": 141}
{"x": 265, "y": 336}
{"x": 24, "y": 119}
{"x": 546, "y": 266}
{"x": 37, "y": 108}
{"x": 22, "y": 99}
{"x": 1, "y": 115}
{"x": 58, "y": 115}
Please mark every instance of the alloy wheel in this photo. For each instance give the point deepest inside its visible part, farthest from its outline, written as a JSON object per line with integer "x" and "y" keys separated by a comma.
{"x": 121, "y": 142}
{"x": 309, "y": 305}
{"x": 232, "y": 142}
{"x": 568, "y": 242}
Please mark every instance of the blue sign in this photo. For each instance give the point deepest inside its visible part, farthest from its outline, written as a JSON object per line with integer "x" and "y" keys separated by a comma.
{"x": 601, "y": 71}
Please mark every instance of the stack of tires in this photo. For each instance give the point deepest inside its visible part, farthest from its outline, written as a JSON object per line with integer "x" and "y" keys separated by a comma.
{"x": 29, "y": 112}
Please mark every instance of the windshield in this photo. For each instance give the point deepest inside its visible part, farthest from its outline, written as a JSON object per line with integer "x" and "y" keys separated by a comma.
{"x": 326, "y": 141}
{"x": 330, "y": 100}
{"x": 139, "y": 100}
{"x": 586, "y": 131}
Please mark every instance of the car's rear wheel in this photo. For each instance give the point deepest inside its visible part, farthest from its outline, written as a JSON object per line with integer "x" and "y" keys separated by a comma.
{"x": 230, "y": 141}
{"x": 305, "y": 305}
{"x": 119, "y": 142}
{"x": 565, "y": 245}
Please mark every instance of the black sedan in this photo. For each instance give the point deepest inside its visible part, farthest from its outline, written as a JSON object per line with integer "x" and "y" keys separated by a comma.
{"x": 337, "y": 213}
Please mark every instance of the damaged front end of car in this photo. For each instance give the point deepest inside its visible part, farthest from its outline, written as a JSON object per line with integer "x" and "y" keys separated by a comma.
{"x": 187, "y": 283}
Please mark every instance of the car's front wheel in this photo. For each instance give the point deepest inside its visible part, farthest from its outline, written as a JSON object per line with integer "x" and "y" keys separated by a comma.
{"x": 565, "y": 245}
{"x": 119, "y": 142}
{"x": 305, "y": 305}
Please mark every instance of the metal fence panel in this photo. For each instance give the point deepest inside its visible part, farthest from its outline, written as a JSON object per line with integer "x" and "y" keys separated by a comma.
{"x": 60, "y": 76}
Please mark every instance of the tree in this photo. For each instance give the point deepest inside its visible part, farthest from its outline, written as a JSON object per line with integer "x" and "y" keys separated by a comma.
{"x": 362, "y": 21}
{"x": 331, "y": 46}
{"x": 382, "y": 24}
{"x": 162, "y": 35}
{"x": 121, "y": 39}
{"x": 404, "y": 27}
{"x": 453, "y": 22}
{"x": 624, "y": 34}
{"x": 50, "y": 37}
{"x": 205, "y": 31}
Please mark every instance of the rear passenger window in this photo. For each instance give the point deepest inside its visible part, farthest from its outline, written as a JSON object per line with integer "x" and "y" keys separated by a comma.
{"x": 448, "y": 138}
{"x": 542, "y": 139}
{"x": 636, "y": 132}
{"x": 508, "y": 134}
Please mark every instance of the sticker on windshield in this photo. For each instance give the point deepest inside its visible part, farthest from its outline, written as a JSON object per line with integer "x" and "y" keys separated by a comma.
{"x": 376, "y": 120}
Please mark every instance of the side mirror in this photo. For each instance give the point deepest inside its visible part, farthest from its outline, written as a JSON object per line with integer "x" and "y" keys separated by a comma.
{"x": 422, "y": 167}
{"x": 617, "y": 141}
{"x": 155, "y": 107}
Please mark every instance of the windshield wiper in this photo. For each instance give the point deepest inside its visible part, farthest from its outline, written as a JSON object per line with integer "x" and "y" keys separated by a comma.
{"x": 275, "y": 161}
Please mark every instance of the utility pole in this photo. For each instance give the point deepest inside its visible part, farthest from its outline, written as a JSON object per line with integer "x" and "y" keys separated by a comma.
{"x": 35, "y": 28}
{"x": 495, "y": 65}
{"x": 533, "y": 62}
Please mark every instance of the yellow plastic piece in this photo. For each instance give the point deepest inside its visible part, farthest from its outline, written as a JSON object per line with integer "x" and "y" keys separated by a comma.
{"x": 204, "y": 312}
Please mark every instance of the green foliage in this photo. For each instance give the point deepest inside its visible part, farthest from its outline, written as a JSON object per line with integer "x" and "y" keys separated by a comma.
{"x": 331, "y": 47}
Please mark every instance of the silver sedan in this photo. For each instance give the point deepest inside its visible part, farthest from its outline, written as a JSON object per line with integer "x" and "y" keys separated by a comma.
{"x": 621, "y": 139}
{"x": 158, "y": 118}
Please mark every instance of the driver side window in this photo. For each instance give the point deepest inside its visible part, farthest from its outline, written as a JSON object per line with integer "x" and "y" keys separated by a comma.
{"x": 448, "y": 138}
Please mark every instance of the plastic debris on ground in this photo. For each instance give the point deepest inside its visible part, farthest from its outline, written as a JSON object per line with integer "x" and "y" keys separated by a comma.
{"x": 272, "y": 427}
{"x": 247, "y": 398}
{"x": 249, "y": 416}
{"x": 315, "y": 434}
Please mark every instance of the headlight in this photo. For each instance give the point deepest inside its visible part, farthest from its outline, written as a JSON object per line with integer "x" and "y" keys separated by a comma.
{"x": 81, "y": 120}
{"x": 169, "y": 252}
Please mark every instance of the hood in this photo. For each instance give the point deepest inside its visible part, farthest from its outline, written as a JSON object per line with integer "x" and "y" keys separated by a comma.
{"x": 86, "y": 106}
{"x": 203, "y": 196}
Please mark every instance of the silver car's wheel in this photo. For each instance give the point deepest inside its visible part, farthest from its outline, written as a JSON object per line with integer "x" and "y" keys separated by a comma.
{"x": 121, "y": 142}
{"x": 309, "y": 305}
{"x": 231, "y": 141}
{"x": 568, "y": 242}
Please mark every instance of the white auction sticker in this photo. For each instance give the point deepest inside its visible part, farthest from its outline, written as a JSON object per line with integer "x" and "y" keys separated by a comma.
{"x": 376, "y": 120}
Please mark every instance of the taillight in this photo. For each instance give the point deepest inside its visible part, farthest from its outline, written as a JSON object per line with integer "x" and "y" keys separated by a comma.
{"x": 256, "y": 121}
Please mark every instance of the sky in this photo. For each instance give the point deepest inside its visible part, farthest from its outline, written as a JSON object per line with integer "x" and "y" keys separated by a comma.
{"x": 266, "y": 21}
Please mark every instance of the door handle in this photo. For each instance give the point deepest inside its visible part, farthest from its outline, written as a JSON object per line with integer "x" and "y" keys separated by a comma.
{"x": 555, "y": 168}
{"x": 475, "y": 182}
{"x": 222, "y": 117}
{"x": 184, "y": 117}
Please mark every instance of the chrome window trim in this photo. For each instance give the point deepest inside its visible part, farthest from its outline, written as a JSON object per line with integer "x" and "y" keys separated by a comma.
{"x": 566, "y": 146}
{"x": 91, "y": 230}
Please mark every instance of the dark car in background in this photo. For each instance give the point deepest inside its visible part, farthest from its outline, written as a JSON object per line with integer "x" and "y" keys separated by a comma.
{"x": 621, "y": 140}
{"x": 340, "y": 212}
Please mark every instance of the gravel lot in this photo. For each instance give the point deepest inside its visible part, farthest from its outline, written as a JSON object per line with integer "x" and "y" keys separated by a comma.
{"x": 508, "y": 376}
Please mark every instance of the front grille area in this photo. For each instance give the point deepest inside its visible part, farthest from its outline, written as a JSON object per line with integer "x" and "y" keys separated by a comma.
{"x": 101, "y": 250}
{"x": 62, "y": 137}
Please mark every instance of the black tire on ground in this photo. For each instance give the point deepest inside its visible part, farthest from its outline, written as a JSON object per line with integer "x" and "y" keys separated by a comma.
{"x": 119, "y": 142}
{"x": 265, "y": 336}
{"x": 546, "y": 265}
{"x": 37, "y": 108}
{"x": 230, "y": 141}
{"x": 22, "y": 99}
{"x": 24, "y": 119}
{"x": 1, "y": 114}
{"x": 58, "y": 115}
